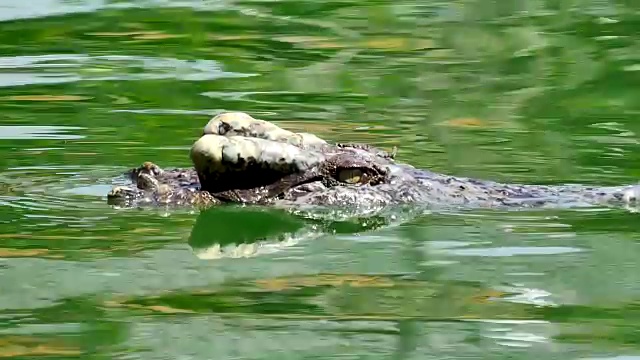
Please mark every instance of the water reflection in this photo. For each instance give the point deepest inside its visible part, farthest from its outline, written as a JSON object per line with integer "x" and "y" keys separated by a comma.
{"x": 42, "y": 8}
{"x": 247, "y": 231}
{"x": 39, "y": 132}
{"x": 233, "y": 232}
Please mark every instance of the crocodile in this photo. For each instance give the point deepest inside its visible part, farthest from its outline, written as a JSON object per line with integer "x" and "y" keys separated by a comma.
{"x": 240, "y": 159}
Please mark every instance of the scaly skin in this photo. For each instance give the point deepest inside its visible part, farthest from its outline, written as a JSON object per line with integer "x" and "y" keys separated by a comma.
{"x": 181, "y": 187}
{"x": 244, "y": 160}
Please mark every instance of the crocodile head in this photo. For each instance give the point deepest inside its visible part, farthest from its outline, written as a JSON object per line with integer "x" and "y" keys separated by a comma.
{"x": 239, "y": 159}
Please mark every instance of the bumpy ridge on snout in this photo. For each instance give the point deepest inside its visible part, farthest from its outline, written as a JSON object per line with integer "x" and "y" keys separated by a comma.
{"x": 236, "y": 162}
{"x": 242, "y": 124}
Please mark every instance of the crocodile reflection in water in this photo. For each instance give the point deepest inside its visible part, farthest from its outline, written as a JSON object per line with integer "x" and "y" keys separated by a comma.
{"x": 240, "y": 159}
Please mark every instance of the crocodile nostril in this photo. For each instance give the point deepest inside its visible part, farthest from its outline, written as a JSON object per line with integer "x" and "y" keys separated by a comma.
{"x": 223, "y": 128}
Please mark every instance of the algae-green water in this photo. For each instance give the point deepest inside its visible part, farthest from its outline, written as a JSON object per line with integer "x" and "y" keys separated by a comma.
{"x": 530, "y": 92}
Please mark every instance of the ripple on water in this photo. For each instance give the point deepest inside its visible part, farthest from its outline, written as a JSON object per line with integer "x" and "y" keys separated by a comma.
{"x": 61, "y": 213}
{"x": 57, "y": 187}
{"x": 65, "y": 68}
{"x": 515, "y": 251}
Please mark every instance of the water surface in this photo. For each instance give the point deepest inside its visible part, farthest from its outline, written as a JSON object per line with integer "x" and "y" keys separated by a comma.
{"x": 537, "y": 91}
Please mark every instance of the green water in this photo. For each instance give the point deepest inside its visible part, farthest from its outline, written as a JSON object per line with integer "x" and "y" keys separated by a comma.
{"x": 536, "y": 91}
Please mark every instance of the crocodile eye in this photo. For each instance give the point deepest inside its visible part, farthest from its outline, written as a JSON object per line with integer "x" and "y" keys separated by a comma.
{"x": 350, "y": 176}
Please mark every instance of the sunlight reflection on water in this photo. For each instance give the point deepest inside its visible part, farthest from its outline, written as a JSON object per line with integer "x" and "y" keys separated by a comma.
{"x": 41, "y": 8}
{"x": 65, "y": 68}
{"x": 39, "y": 132}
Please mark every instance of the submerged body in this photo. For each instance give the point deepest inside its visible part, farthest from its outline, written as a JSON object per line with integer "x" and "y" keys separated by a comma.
{"x": 243, "y": 160}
